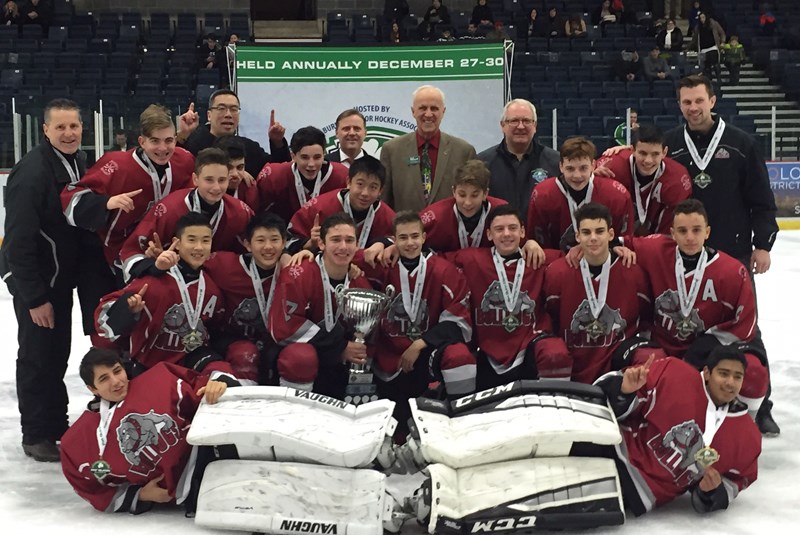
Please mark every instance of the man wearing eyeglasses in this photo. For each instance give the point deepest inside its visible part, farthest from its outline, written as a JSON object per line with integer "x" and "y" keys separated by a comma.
{"x": 518, "y": 162}
{"x": 223, "y": 119}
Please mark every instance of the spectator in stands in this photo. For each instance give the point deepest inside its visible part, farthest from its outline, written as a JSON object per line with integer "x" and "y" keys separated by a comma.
{"x": 519, "y": 161}
{"x": 223, "y": 119}
{"x": 120, "y": 140}
{"x": 472, "y": 33}
{"x": 553, "y": 25}
{"x": 575, "y": 26}
{"x": 694, "y": 17}
{"x": 395, "y": 11}
{"x": 654, "y": 66}
{"x": 670, "y": 39}
{"x": 482, "y": 14}
{"x": 535, "y": 24}
{"x": 708, "y": 39}
{"x": 733, "y": 57}
{"x": 36, "y": 12}
{"x": 437, "y": 13}
{"x": 767, "y": 21}
{"x": 605, "y": 14}
{"x": 627, "y": 66}
{"x": 230, "y": 56}
{"x": 396, "y": 34}
{"x": 10, "y": 14}
{"x": 498, "y": 32}
{"x": 447, "y": 35}
{"x": 208, "y": 55}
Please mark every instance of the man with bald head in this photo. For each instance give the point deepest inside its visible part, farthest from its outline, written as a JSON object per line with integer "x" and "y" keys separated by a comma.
{"x": 420, "y": 166}
{"x": 518, "y": 162}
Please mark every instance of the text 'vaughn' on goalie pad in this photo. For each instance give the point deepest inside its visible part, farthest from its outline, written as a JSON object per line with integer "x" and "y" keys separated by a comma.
{"x": 273, "y": 423}
{"x": 522, "y": 496}
{"x": 292, "y": 498}
{"x": 515, "y": 421}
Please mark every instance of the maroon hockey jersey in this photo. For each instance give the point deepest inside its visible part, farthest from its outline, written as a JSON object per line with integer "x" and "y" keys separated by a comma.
{"x": 490, "y": 334}
{"x": 333, "y": 202}
{"x": 445, "y": 298}
{"x": 146, "y": 439}
{"x": 550, "y": 218}
{"x": 657, "y": 200}
{"x": 229, "y": 225}
{"x": 441, "y": 224}
{"x": 591, "y": 349}
{"x": 725, "y": 305}
{"x": 663, "y": 430}
{"x": 157, "y": 335}
{"x": 84, "y": 203}
{"x": 277, "y": 186}
{"x": 248, "y": 195}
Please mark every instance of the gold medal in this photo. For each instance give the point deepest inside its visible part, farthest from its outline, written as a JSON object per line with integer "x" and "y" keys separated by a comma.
{"x": 413, "y": 332}
{"x": 706, "y": 457}
{"x": 192, "y": 341}
{"x": 685, "y": 328}
{"x": 511, "y": 322}
{"x": 100, "y": 469}
{"x": 702, "y": 180}
{"x": 595, "y": 330}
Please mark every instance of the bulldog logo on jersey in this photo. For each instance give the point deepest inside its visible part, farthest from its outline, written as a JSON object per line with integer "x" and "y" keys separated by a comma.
{"x": 247, "y": 318}
{"x": 493, "y": 308}
{"x": 676, "y": 451}
{"x": 668, "y": 313}
{"x": 586, "y": 331}
{"x": 396, "y": 323}
{"x": 144, "y": 438}
{"x": 567, "y": 240}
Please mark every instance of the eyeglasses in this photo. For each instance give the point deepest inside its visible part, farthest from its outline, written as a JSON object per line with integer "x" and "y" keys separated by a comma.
{"x": 223, "y": 108}
{"x": 523, "y": 122}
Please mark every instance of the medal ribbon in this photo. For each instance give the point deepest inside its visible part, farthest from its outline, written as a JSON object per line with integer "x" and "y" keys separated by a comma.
{"x": 147, "y": 165}
{"x": 703, "y": 162}
{"x": 264, "y": 302}
{"x": 510, "y": 293}
{"x": 641, "y": 209}
{"x": 714, "y": 418}
{"x": 301, "y": 189}
{"x": 327, "y": 290}
{"x": 596, "y": 301}
{"x": 106, "y": 415}
{"x": 687, "y": 300}
{"x": 411, "y": 303}
{"x": 471, "y": 240}
{"x": 192, "y": 313}
{"x": 571, "y": 202}
{"x": 72, "y": 171}
{"x": 366, "y": 226}
{"x": 193, "y": 200}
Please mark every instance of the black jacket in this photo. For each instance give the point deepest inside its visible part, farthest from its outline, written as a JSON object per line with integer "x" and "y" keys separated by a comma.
{"x": 40, "y": 249}
{"x": 255, "y": 157}
{"x": 739, "y": 200}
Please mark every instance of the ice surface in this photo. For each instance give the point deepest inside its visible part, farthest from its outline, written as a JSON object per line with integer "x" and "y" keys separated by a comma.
{"x": 35, "y": 497}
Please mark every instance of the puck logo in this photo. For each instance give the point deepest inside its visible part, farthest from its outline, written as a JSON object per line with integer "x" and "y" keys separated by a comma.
{"x": 304, "y": 526}
{"x": 504, "y": 524}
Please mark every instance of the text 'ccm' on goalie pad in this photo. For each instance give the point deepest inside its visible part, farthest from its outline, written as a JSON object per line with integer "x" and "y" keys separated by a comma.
{"x": 526, "y": 495}
{"x": 273, "y": 423}
{"x": 292, "y": 498}
{"x": 514, "y": 421}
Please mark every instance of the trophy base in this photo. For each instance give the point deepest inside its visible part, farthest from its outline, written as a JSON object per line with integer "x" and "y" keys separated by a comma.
{"x": 360, "y": 388}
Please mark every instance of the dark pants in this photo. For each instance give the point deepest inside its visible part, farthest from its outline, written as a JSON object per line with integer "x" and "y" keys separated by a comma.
{"x": 733, "y": 69}
{"x": 41, "y": 365}
{"x": 95, "y": 280}
{"x": 767, "y": 403}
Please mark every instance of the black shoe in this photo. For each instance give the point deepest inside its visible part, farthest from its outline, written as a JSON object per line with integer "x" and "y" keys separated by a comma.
{"x": 766, "y": 424}
{"x": 45, "y": 451}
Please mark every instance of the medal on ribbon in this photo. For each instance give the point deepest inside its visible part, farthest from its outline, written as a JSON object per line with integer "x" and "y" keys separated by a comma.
{"x": 412, "y": 302}
{"x": 194, "y": 338}
{"x": 685, "y": 326}
{"x": 510, "y": 291}
{"x": 597, "y": 301}
{"x": 707, "y": 456}
{"x": 703, "y": 179}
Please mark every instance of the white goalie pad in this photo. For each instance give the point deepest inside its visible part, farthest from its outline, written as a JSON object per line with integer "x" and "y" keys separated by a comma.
{"x": 274, "y": 423}
{"x": 292, "y": 498}
{"x": 546, "y": 493}
{"x": 515, "y": 421}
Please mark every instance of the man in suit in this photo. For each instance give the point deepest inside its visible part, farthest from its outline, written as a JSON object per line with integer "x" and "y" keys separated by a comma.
{"x": 351, "y": 130}
{"x": 421, "y": 165}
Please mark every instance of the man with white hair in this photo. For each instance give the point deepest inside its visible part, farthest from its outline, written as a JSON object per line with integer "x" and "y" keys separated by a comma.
{"x": 420, "y": 166}
{"x": 518, "y": 162}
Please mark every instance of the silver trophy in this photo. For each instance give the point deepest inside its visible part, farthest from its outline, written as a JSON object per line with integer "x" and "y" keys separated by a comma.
{"x": 361, "y": 310}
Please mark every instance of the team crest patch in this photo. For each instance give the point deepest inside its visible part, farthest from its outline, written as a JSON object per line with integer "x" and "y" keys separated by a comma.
{"x": 722, "y": 154}
{"x": 110, "y": 168}
{"x": 427, "y": 217}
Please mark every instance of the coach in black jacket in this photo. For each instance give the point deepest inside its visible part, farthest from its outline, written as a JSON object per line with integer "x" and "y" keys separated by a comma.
{"x": 42, "y": 260}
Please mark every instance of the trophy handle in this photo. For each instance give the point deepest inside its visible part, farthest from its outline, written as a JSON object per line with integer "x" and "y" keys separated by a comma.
{"x": 389, "y": 291}
{"x": 339, "y": 292}
{"x": 359, "y": 338}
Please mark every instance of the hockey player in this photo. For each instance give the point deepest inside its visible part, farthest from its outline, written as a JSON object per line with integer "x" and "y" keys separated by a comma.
{"x": 316, "y": 349}
{"x": 129, "y": 450}
{"x": 169, "y": 317}
{"x": 551, "y": 213}
{"x": 240, "y": 184}
{"x": 597, "y": 309}
{"x": 422, "y": 336}
{"x": 511, "y": 327}
{"x": 228, "y": 216}
{"x": 702, "y": 297}
{"x": 116, "y": 193}
{"x": 285, "y": 187}
{"x": 684, "y": 430}
{"x": 248, "y": 284}
{"x": 655, "y": 183}
{"x": 361, "y": 200}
